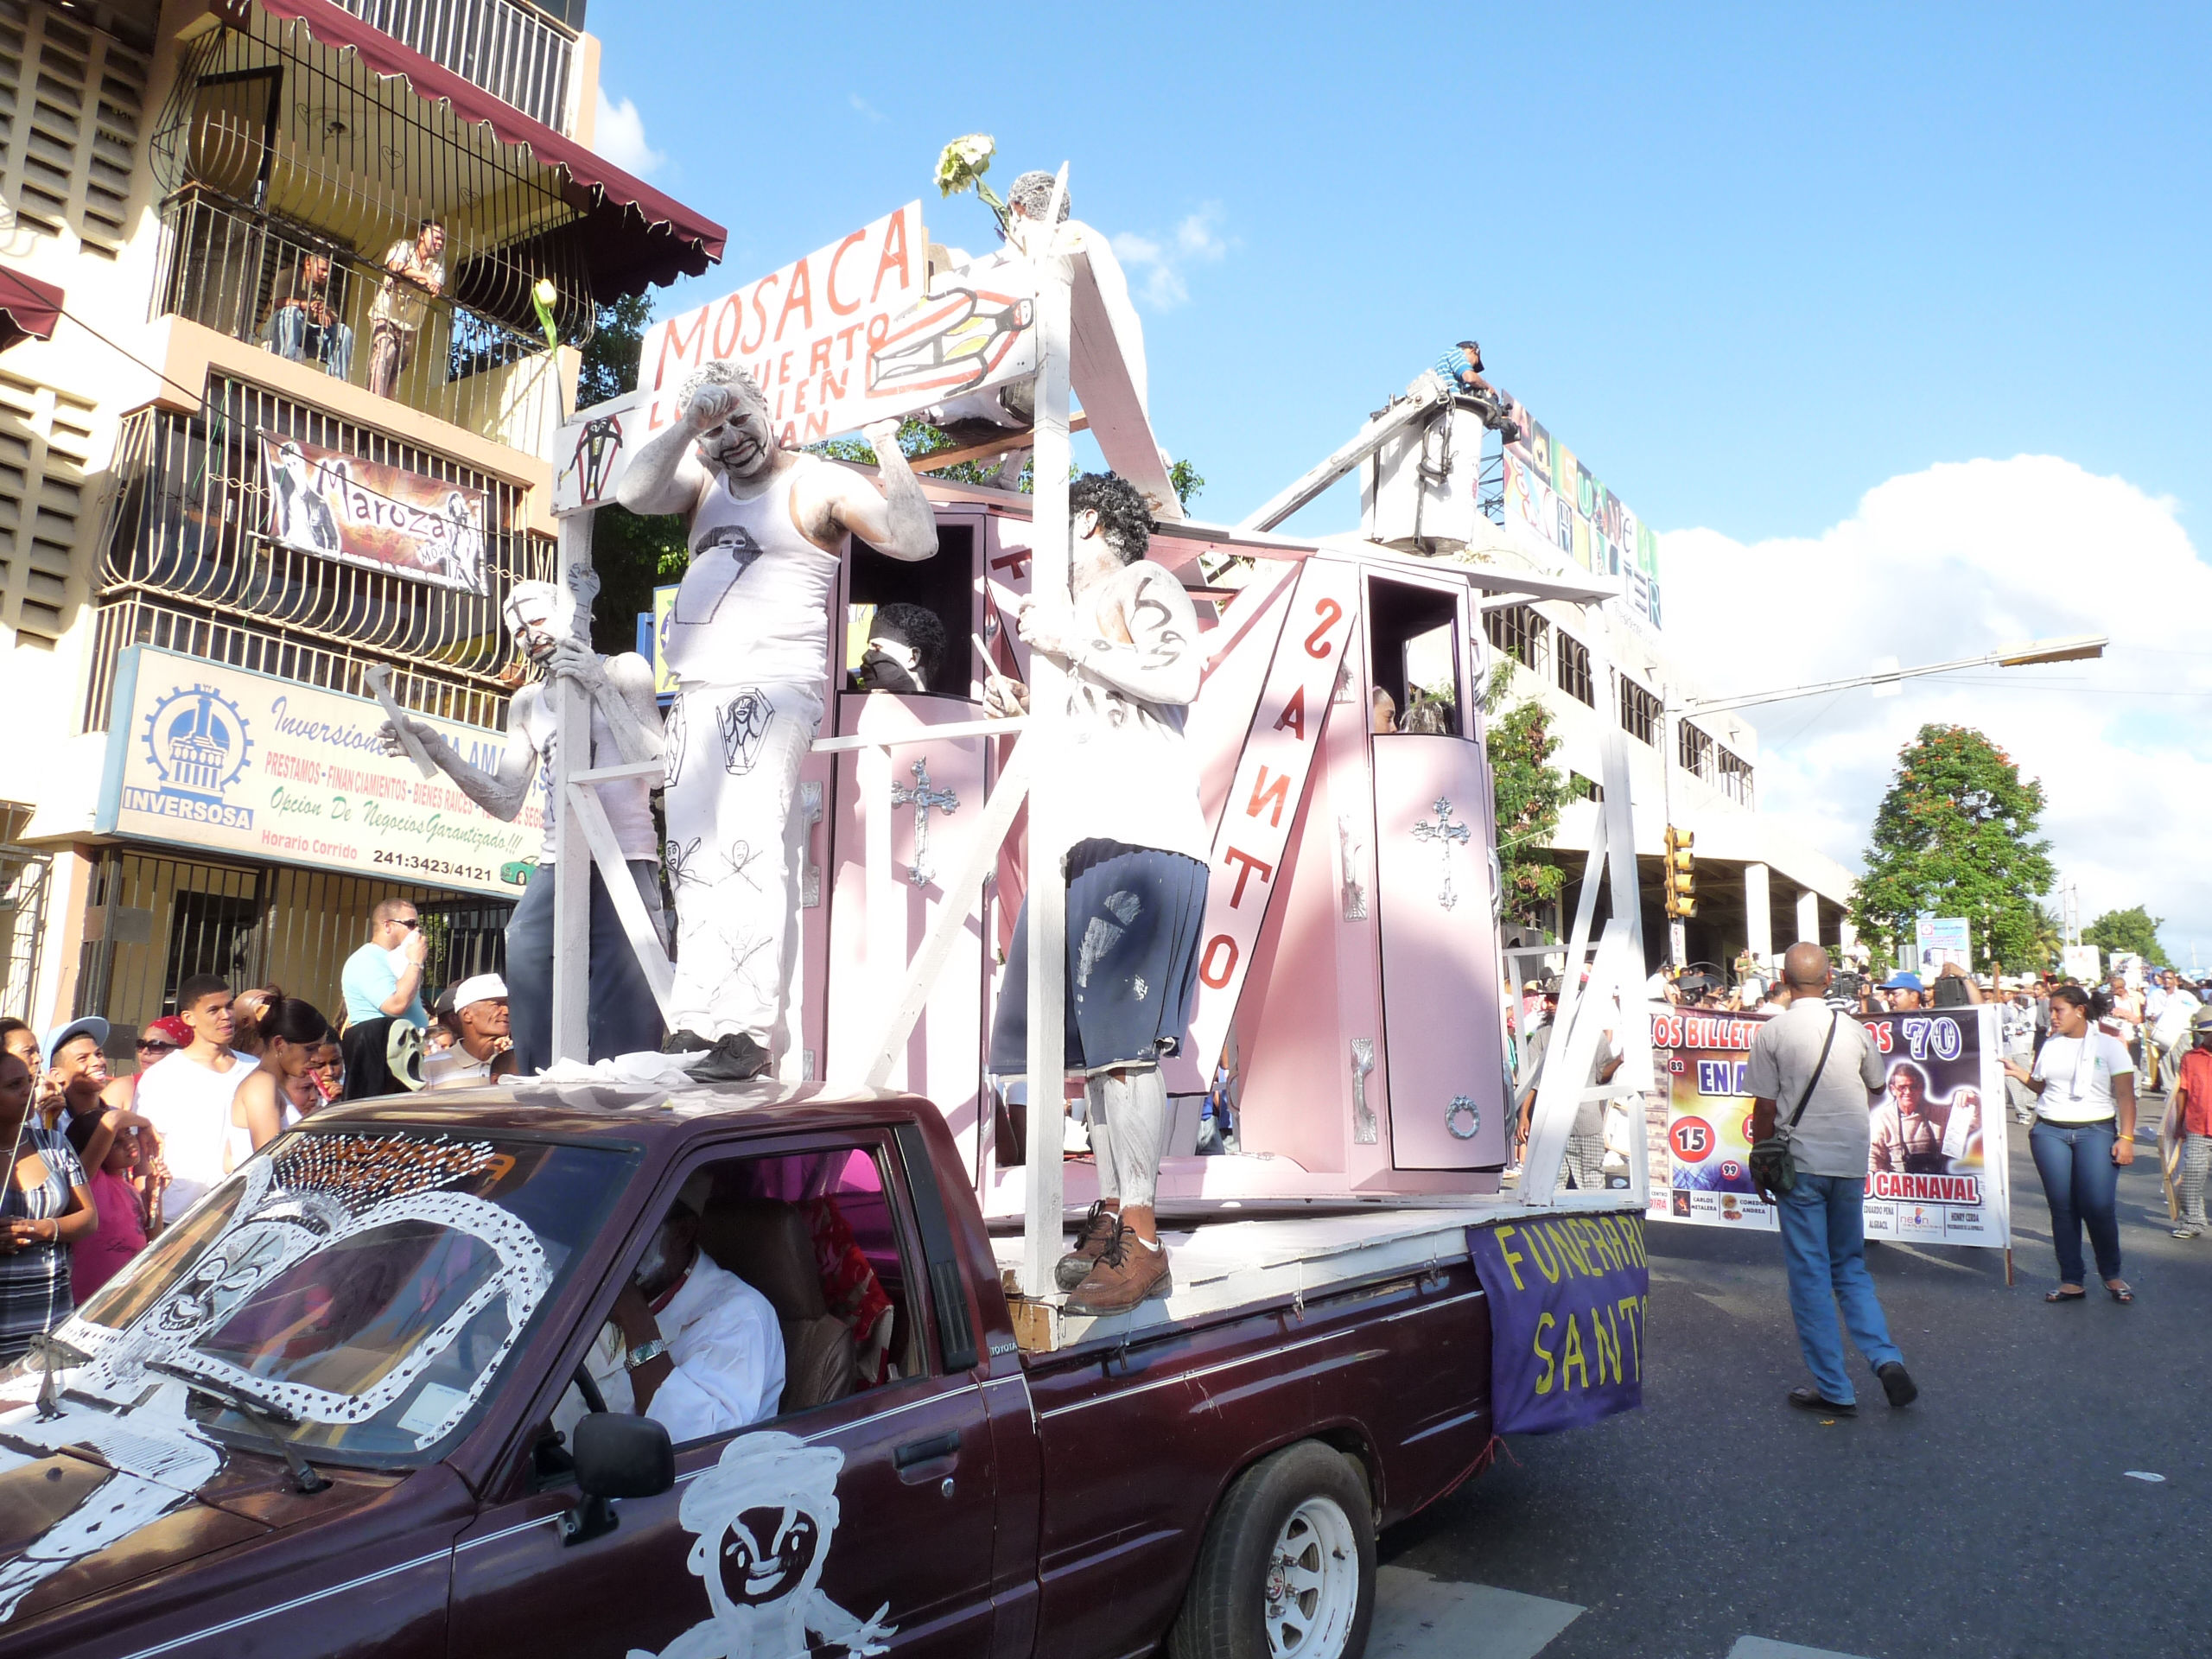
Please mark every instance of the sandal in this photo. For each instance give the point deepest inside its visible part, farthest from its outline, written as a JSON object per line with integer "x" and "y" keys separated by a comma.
{"x": 2120, "y": 1293}
{"x": 2063, "y": 1295}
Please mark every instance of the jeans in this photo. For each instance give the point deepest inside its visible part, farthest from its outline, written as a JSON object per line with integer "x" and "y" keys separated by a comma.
{"x": 290, "y": 334}
{"x": 1824, "y": 1248}
{"x": 623, "y": 1017}
{"x": 2082, "y": 1183}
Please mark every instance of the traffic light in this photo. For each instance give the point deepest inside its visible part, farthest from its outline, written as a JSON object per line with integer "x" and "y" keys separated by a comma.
{"x": 1681, "y": 876}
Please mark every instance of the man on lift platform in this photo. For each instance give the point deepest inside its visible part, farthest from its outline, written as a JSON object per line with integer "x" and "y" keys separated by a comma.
{"x": 1136, "y": 881}
{"x": 749, "y": 643}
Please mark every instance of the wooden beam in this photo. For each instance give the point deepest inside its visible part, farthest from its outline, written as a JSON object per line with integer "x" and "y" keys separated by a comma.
{"x": 1048, "y": 839}
{"x": 938, "y": 459}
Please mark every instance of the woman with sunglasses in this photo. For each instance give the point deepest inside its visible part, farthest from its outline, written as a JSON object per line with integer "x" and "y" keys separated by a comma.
{"x": 157, "y": 1040}
{"x": 44, "y": 1208}
{"x": 2084, "y": 1085}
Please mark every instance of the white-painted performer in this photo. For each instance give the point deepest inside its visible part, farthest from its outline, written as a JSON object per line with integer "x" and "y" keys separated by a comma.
{"x": 748, "y": 642}
{"x": 541, "y": 616}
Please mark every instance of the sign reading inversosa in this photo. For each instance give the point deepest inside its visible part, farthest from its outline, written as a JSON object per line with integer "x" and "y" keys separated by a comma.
{"x": 209, "y": 756}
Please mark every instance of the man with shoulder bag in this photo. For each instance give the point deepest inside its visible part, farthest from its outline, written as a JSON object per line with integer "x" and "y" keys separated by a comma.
{"x": 1812, "y": 1069}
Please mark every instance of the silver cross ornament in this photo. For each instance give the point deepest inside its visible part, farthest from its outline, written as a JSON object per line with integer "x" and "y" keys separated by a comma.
{"x": 922, "y": 798}
{"x": 1443, "y": 832}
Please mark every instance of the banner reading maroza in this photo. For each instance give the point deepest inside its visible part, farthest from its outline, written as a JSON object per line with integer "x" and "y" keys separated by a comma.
{"x": 1938, "y": 1148}
{"x": 326, "y": 502}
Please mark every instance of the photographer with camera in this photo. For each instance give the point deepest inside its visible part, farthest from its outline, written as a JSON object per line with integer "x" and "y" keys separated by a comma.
{"x": 1809, "y": 1073}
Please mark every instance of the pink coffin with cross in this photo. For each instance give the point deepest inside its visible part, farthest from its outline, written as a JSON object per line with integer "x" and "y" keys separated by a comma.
{"x": 1350, "y": 970}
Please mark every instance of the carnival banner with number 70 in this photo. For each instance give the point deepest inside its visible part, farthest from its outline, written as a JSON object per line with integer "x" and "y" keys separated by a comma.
{"x": 1937, "y": 1148}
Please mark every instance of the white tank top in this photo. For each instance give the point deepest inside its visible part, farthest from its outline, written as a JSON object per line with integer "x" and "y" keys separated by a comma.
{"x": 628, "y": 803}
{"x": 753, "y": 609}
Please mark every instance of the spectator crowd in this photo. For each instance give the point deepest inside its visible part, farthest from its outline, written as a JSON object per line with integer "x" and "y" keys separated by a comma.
{"x": 102, "y": 1163}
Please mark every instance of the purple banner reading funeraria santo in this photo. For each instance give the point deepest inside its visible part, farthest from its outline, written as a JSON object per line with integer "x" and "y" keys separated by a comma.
{"x": 1566, "y": 1296}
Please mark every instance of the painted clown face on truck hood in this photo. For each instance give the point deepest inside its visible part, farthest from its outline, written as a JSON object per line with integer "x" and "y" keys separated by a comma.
{"x": 360, "y": 1289}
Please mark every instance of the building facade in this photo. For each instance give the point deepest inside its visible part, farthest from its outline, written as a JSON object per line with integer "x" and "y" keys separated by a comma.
{"x": 280, "y": 445}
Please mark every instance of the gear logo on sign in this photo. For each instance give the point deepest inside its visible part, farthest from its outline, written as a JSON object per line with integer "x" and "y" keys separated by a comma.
{"x": 196, "y": 743}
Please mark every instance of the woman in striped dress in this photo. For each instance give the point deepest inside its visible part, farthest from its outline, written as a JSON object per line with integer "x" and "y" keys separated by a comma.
{"x": 45, "y": 1209}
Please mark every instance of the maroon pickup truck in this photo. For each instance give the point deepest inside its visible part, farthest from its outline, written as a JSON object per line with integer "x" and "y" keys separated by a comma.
{"x": 366, "y": 1398}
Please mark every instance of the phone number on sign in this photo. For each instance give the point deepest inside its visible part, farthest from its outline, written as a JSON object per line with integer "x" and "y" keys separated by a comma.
{"x": 433, "y": 866}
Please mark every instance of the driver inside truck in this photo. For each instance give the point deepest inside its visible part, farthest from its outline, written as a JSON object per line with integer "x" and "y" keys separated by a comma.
{"x": 688, "y": 1343}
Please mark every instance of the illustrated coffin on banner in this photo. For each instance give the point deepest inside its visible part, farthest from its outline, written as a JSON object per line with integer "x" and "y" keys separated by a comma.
{"x": 326, "y": 502}
{"x": 201, "y": 755}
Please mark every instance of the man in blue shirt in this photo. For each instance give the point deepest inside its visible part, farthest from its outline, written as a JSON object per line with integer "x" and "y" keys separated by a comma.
{"x": 384, "y": 977}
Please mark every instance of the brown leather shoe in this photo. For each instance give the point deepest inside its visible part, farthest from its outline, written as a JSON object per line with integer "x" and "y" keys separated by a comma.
{"x": 1125, "y": 1274}
{"x": 1091, "y": 1242}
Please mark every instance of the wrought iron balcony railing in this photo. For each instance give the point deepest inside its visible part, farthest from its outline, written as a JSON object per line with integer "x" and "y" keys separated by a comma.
{"x": 231, "y": 269}
{"x": 510, "y": 51}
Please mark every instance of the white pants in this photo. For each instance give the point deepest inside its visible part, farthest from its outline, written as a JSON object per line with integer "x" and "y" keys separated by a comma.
{"x": 735, "y": 846}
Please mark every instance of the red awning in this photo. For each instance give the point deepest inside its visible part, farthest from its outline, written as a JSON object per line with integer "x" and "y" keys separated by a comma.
{"x": 29, "y": 307}
{"x": 638, "y": 237}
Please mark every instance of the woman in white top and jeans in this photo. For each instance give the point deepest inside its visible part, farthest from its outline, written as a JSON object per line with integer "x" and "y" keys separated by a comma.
{"x": 2084, "y": 1083}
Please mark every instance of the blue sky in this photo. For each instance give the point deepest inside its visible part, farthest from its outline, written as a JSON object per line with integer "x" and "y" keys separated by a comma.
{"x": 1751, "y": 263}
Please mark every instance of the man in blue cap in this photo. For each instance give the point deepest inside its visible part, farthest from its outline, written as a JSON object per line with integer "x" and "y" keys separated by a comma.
{"x": 76, "y": 1066}
{"x": 1904, "y": 993}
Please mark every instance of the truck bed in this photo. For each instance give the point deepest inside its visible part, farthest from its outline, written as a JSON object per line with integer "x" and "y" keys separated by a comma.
{"x": 1229, "y": 1266}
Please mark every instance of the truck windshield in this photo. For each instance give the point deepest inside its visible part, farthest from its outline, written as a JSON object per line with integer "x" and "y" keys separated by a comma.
{"x": 368, "y": 1285}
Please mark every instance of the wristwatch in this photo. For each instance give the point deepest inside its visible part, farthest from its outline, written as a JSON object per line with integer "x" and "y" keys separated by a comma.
{"x": 646, "y": 1352}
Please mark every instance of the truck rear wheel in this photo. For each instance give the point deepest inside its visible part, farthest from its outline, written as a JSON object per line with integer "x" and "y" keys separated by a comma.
{"x": 1287, "y": 1568}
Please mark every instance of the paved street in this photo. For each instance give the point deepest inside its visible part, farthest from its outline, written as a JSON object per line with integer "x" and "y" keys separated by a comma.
{"x": 1997, "y": 1516}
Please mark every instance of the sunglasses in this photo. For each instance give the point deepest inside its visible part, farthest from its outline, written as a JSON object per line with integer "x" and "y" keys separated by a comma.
{"x": 410, "y": 923}
{"x": 145, "y": 1047}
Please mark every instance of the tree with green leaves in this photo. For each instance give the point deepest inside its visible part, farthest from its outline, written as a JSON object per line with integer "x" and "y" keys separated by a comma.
{"x": 633, "y": 555}
{"x": 1529, "y": 793}
{"x": 2134, "y": 929}
{"x": 1955, "y": 836}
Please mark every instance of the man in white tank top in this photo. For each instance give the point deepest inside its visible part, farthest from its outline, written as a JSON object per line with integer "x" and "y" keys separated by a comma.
{"x": 624, "y": 1019}
{"x": 748, "y": 642}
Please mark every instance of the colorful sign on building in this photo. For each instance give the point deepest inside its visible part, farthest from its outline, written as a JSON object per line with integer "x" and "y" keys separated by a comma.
{"x": 1553, "y": 499}
{"x": 204, "y": 755}
{"x": 1936, "y": 1169}
{"x": 326, "y": 502}
{"x": 855, "y": 332}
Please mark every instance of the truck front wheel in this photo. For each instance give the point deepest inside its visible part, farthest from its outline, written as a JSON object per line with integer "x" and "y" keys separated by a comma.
{"x": 1287, "y": 1569}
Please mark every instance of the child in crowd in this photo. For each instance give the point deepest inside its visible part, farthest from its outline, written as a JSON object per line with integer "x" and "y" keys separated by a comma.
{"x": 104, "y": 1252}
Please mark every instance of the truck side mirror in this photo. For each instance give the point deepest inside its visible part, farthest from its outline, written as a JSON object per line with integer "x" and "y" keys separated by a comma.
{"x": 616, "y": 1456}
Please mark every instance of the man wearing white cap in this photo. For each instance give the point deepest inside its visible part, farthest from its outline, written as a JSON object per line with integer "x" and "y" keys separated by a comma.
{"x": 76, "y": 1063}
{"x": 482, "y": 1050}
{"x": 624, "y": 1019}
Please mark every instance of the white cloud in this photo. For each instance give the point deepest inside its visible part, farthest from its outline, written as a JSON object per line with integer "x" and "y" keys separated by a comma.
{"x": 1951, "y": 562}
{"x": 1156, "y": 264}
{"x": 620, "y": 135}
{"x": 865, "y": 108}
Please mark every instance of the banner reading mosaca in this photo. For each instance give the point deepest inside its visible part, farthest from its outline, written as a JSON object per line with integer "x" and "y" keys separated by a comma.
{"x": 201, "y": 755}
{"x": 326, "y": 502}
{"x": 855, "y": 332}
{"x": 1937, "y": 1166}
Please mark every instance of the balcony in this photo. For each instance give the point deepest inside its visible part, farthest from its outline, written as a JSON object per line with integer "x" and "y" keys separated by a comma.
{"x": 223, "y": 266}
{"x": 517, "y": 56}
{"x": 191, "y": 564}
